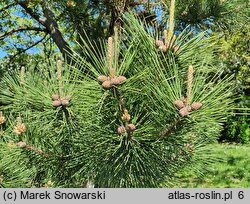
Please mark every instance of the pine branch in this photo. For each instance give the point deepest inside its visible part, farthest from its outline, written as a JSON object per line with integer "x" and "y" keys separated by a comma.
{"x": 49, "y": 22}
{"x": 26, "y": 146}
{"x": 24, "y": 50}
{"x": 56, "y": 34}
{"x": 119, "y": 99}
{"x": 21, "y": 29}
{"x": 171, "y": 129}
{"x": 24, "y": 5}
{"x": 112, "y": 72}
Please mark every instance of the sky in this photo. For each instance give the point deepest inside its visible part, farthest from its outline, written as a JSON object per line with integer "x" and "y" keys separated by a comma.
{"x": 30, "y": 51}
{"x": 2, "y": 53}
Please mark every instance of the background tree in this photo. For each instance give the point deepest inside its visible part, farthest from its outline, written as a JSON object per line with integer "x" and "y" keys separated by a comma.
{"x": 234, "y": 57}
{"x": 28, "y": 24}
{"x": 145, "y": 117}
{"x": 129, "y": 113}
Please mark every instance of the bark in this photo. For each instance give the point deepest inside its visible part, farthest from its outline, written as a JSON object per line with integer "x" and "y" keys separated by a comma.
{"x": 56, "y": 34}
{"x": 21, "y": 29}
{"x": 117, "y": 10}
{"x": 51, "y": 25}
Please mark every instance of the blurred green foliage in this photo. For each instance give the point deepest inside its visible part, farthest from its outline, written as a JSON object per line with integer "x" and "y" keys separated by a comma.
{"x": 237, "y": 129}
{"x": 230, "y": 171}
{"x": 235, "y": 57}
{"x": 235, "y": 60}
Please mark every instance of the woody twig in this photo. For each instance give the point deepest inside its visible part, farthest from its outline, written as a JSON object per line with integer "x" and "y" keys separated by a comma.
{"x": 26, "y": 146}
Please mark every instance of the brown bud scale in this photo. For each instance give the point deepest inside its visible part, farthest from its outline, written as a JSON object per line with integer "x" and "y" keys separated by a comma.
{"x": 131, "y": 127}
{"x": 115, "y": 81}
{"x": 121, "y": 130}
{"x": 179, "y": 104}
{"x": 183, "y": 112}
{"x": 189, "y": 108}
{"x": 196, "y": 105}
{"x": 21, "y": 144}
{"x": 65, "y": 102}
{"x": 68, "y": 98}
{"x": 122, "y": 79}
{"x": 163, "y": 48}
{"x": 20, "y": 129}
{"x": 56, "y": 103}
{"x": 102, "y": 78}
{"x": 106, "y": 84}
{"x": 126, "y": 116}
{"x": 159, "y": 43}
{"x": 55, "y": 97}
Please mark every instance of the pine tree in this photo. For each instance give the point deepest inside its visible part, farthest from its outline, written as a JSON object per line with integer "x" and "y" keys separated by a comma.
{"x": 129, "y": 114}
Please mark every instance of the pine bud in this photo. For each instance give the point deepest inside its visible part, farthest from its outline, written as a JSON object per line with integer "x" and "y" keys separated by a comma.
{"x": 189, "y": 108}
{"x": 179, "y": 104}
{"x": 68, "y": 98}
{"x": 56, "y": 103}
{"x": 115, "y": 81}
{"x": 184, "y": 13}
{"x": 126, "y": 116}
{"x": 183, "y": 112}
{"x": 55, "y": 97}
{"x": 102, "y": 78}
{"x": 121, "y": 130}
{"x": 65, "y": 102}
{"x": 131, "y": 127}
{"x": 159, "y": 43}
{"x": 20, "y": 127}
{"x": 122, "y": 79}
{"x": 59, "y": 77}
{"x": 184, "y": 100}
{"x": 2, "y": 118}
{"x": 71, "y": 3}
{"x": 11, "y": 145}
{"x": 49, "y": 183}
{"x": 22, "y": 75}
{"x": 196, "y": 105}
{"x": 21, "y": 144}
{"x": 106, "y": 84}
{"x": 163, "y": 48}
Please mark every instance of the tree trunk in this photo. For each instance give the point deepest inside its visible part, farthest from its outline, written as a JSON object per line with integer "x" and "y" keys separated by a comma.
{"x": 117, "y": 10}
{"x": 56, "y": 34}
{"x": 49, "y": 22}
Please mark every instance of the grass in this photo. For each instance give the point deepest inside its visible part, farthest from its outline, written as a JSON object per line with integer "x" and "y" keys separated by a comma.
{"x": 232, "y": 170}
